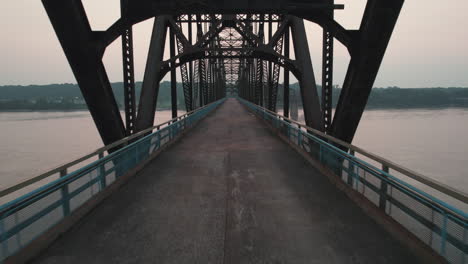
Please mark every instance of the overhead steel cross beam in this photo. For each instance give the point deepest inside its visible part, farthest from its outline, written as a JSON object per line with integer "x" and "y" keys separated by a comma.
{"x": 261, "y": 52}
{"x": 144, "y": 9}
{"x": 247, "y": 12}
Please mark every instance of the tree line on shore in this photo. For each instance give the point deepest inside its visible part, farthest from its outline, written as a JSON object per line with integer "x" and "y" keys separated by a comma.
{"x": 69, "y": 97}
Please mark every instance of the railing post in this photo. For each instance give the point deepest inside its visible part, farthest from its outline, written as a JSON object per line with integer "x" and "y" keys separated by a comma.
{"x": 443, "y": 236}
{"x": 102, "y": 172}
{"x": 171, "y": 131}
{"x": 351, "y": 169}
{"x": 158, "y": 131}
{"x": 383, "y": 188}
{"x": 299, "y": 137}
{"x": 320, "y": 154}
{"x": 137, "y": 154}
{"x": 465, "y": 236}
{"x": 65, "y": 198}
{"x": 3, "y": 235}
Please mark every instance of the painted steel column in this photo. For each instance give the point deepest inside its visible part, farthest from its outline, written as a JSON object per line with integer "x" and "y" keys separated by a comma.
{"x": 150, "y": 86}
{"x": 270, "y": 67}
{"x": 286, "y": 76}
{"x": 190, "y": 39}
{"x": 308, "y": 86}
{"x": 74, "y": 32}
{"x": 327, "y": 75}
{"x": 172, "y": 47}
{"x": 200, "y": 65}
{"x": 376, "y": 29}
{"x": 128, "y": 74}
{"x": 129, "y": 80}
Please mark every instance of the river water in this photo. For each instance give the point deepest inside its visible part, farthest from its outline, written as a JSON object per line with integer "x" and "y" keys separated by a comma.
{"x": 432, "y": 142}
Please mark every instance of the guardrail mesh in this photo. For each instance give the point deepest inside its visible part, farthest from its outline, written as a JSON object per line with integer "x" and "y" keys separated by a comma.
{"x": 439, "y": 225}
{"x": 27, "y": 217}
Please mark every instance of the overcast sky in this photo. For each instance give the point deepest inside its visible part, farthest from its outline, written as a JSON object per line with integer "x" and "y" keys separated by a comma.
{"x": 429, "y": 47}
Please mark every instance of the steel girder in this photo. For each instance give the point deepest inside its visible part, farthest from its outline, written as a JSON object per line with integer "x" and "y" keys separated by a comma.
{"x": 327, "y": 77}
{"x": 286, "y": 75}
{"x": 259, "y": 65}
{"x": 379, "y": 20}
{"x": 196, "y": 85}
{"x": 172, "y": 48}
{"x": 152, "y": 76}
{"x": 258, "y": 86}
{"x": 183, "y": 43}
{"x": 274, "y": 81}
{"x": 262, "y": 52}
{"x": 85, "y": 58}
{"x": 128, "y": 75}
{"x": 204, "y": 81}
{"x": 308, "y": 86}
{"x": 144, "y": 9}
{"x": 243, "y": 18}
{"x": 190, "y": 73}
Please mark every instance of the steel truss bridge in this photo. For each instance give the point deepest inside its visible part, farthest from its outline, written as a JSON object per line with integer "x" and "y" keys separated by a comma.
{"x": 230, "y": 191}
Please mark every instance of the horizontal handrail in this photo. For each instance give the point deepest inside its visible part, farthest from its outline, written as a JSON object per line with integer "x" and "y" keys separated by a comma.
{"x": 393, "y": 180}
{"x": 97, "y": 152}
{"x": 441, "y": 187}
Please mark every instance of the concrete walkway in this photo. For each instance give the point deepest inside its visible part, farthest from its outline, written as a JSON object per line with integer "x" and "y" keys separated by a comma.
{"x": 228, "y": 192}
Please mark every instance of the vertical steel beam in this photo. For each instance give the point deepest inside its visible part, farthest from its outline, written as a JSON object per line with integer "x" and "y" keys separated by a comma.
{"x": 309, "y": 94}
{"x": 190, "y": 39}
{"x": 128, "y": 74}
{"x": 286, "y": 76}
{"x": 202, "y": 78}
{"x": 327, "y": 76}
{"x": 252, "y": 76}
{"x": 210, "y": 78}
{"x": 269, "y": 81}
{"x": 276, "y": 70}
{"x": 150, "y": 86}
{"x": 195, "y": 84}
{"x": 201, "y": 66}
{"x": 172, "y": 47}
{"x": 259, "y": 67}
{"x": 73, "y": 30}
{"x": 376, "y": 29}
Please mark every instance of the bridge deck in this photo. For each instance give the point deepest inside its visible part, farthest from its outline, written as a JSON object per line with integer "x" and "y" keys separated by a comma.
{"x": 228, "y": 192}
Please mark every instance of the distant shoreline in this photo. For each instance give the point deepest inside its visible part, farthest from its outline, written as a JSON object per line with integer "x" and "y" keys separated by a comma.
{"x": 279, "y": 107}
{"x": 68, "y": 97}
{"x": 58, "y": 110}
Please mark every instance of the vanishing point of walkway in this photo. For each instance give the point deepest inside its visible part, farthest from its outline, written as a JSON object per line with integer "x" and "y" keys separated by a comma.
{"x": 228, "y": 192}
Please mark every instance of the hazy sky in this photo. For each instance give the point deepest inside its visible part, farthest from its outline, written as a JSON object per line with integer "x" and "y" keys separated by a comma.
{"x": 429, "y": 47}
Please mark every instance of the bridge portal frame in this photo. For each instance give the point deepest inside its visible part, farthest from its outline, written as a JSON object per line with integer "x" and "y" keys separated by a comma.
{"x": 85, "y": 47}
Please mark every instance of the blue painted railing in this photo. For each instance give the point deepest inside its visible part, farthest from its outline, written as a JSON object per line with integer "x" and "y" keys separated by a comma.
{"x": 27, "y": 217}
{"x": 440, "y": 225}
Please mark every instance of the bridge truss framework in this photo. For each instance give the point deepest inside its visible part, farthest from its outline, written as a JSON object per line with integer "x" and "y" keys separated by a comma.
{"x": 238, "y": 48}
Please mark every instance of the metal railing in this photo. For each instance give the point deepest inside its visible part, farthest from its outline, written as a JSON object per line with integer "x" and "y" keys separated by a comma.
{"x": 27, "y": 217}
{"x": 434, "y": 221}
